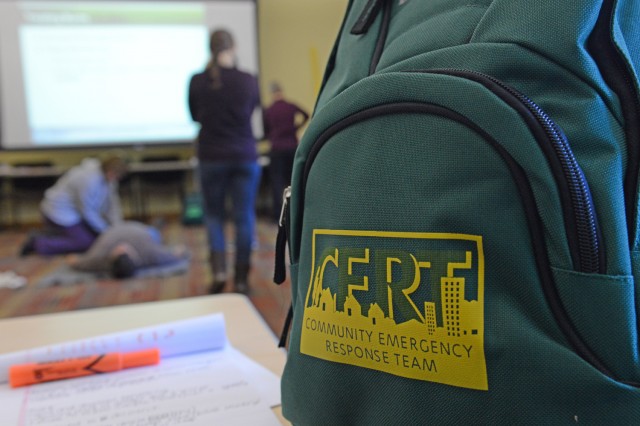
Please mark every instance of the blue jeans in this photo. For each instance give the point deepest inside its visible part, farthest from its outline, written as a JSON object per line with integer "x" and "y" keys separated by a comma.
{"x": 238, "y": 182}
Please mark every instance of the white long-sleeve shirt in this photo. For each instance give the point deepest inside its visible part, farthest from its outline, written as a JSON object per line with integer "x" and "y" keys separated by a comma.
{"x": 83, "y": 194}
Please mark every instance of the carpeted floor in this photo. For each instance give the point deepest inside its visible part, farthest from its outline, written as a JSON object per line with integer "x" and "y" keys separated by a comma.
{"x": 272, "y": 301}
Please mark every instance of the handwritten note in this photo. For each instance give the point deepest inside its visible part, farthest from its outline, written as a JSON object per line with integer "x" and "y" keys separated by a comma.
{"x": 207, "y": 388}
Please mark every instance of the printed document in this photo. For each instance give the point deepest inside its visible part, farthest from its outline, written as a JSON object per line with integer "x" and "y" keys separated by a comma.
{"x": 203, "y": 388}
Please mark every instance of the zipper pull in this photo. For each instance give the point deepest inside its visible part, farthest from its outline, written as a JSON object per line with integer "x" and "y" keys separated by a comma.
{"x": 280, "y": 270}
{"x": 367, "y": 16}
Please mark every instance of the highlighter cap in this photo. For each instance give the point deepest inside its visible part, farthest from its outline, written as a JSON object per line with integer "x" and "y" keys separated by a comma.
{"x": 140, "y": 358}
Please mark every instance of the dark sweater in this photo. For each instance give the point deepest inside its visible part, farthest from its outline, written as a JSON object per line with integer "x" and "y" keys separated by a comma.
{"x": 225, "y": 115}
{"x": 280, "y": 125}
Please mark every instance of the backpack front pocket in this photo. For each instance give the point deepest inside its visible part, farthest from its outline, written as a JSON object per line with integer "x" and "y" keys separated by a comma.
{"x": 433, "y": 206}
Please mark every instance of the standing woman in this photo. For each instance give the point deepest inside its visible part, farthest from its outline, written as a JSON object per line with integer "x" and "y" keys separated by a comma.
{"x": 222, "y": 99}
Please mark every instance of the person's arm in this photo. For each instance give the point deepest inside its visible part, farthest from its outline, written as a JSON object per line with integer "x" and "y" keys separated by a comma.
{"x": 92, "y": 194}
{"x": 147, "y": 249}
{"x": 89, "y": 263}
{"x": 265, "y": 123}
{"x": 192, "y": 99}
{"x": 256, "y": 90}
{"x": 304, "y": 114}
{"x": 159, "y": 255}
{"x": 114, "y": 209}
{"x": 258, "y": 105}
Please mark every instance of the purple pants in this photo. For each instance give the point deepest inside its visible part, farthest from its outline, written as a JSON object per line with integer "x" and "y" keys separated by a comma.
{"x": 57, "y": 239}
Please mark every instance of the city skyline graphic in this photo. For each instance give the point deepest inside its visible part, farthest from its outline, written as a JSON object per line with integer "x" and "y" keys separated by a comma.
{"x": 354, "y": 315}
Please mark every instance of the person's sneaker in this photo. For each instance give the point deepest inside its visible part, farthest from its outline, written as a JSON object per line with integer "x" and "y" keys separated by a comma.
{"x": 29, "y": 245}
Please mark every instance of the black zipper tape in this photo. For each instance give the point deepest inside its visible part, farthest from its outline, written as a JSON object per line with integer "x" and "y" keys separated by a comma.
{"x": 579, "y": 213}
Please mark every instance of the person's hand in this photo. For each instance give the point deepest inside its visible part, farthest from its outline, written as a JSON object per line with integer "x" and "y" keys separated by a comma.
{"x": 71, "y": 259}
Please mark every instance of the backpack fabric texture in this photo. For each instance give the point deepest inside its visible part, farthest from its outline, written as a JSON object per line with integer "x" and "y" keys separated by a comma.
{"x": 463, "y": 220}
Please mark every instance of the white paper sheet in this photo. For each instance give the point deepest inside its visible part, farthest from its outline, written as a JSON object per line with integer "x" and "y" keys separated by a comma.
{"x": 222, "y": 387}
{"x": 204, "y": 333}
{"x": 265, "y": 382}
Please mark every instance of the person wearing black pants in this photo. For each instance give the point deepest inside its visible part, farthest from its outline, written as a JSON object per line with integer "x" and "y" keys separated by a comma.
{"x": 282, "y": 120}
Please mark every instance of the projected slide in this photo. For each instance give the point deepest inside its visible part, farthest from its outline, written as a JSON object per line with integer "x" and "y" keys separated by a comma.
{"x": 75, "y": 68}
{"x": 109, "y": 73}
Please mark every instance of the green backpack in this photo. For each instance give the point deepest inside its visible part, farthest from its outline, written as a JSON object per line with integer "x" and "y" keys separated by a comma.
{"x": 463, "y": 219}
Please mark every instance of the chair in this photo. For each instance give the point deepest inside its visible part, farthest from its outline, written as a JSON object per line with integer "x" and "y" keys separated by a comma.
{"x": 28, "y": 186}
{"x": 155, "y": 182}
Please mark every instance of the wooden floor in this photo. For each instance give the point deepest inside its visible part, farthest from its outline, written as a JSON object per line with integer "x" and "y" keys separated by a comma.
{"x": 271, "y": 301}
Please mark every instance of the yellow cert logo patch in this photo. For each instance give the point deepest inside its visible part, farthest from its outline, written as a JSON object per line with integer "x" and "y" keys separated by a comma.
{"x": 408, "y": 304}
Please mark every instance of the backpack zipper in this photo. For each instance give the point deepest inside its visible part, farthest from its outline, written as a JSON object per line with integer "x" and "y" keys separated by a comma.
{"x": 367, "y": 17}
{"x": 579, "y": 212}
{"x": 616, "y": 73}
{"x": 613, "y": 67}
{"x": 280, "y": 270}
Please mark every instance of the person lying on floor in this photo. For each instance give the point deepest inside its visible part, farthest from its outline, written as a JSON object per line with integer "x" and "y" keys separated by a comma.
{"x": 126, "y": 248}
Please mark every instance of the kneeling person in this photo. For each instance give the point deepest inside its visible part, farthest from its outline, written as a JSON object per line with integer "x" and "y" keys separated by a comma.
{"x": 81, "y": 205}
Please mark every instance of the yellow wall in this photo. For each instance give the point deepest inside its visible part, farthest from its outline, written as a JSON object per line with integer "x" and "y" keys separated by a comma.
{"x": 295, "y": 37}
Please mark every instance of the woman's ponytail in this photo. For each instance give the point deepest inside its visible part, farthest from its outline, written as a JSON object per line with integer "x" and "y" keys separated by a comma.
{"x": 219, "y": 41}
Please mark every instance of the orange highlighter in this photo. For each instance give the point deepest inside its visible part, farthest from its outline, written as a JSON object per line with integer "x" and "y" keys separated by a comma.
{"x": 29, "y": 374}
